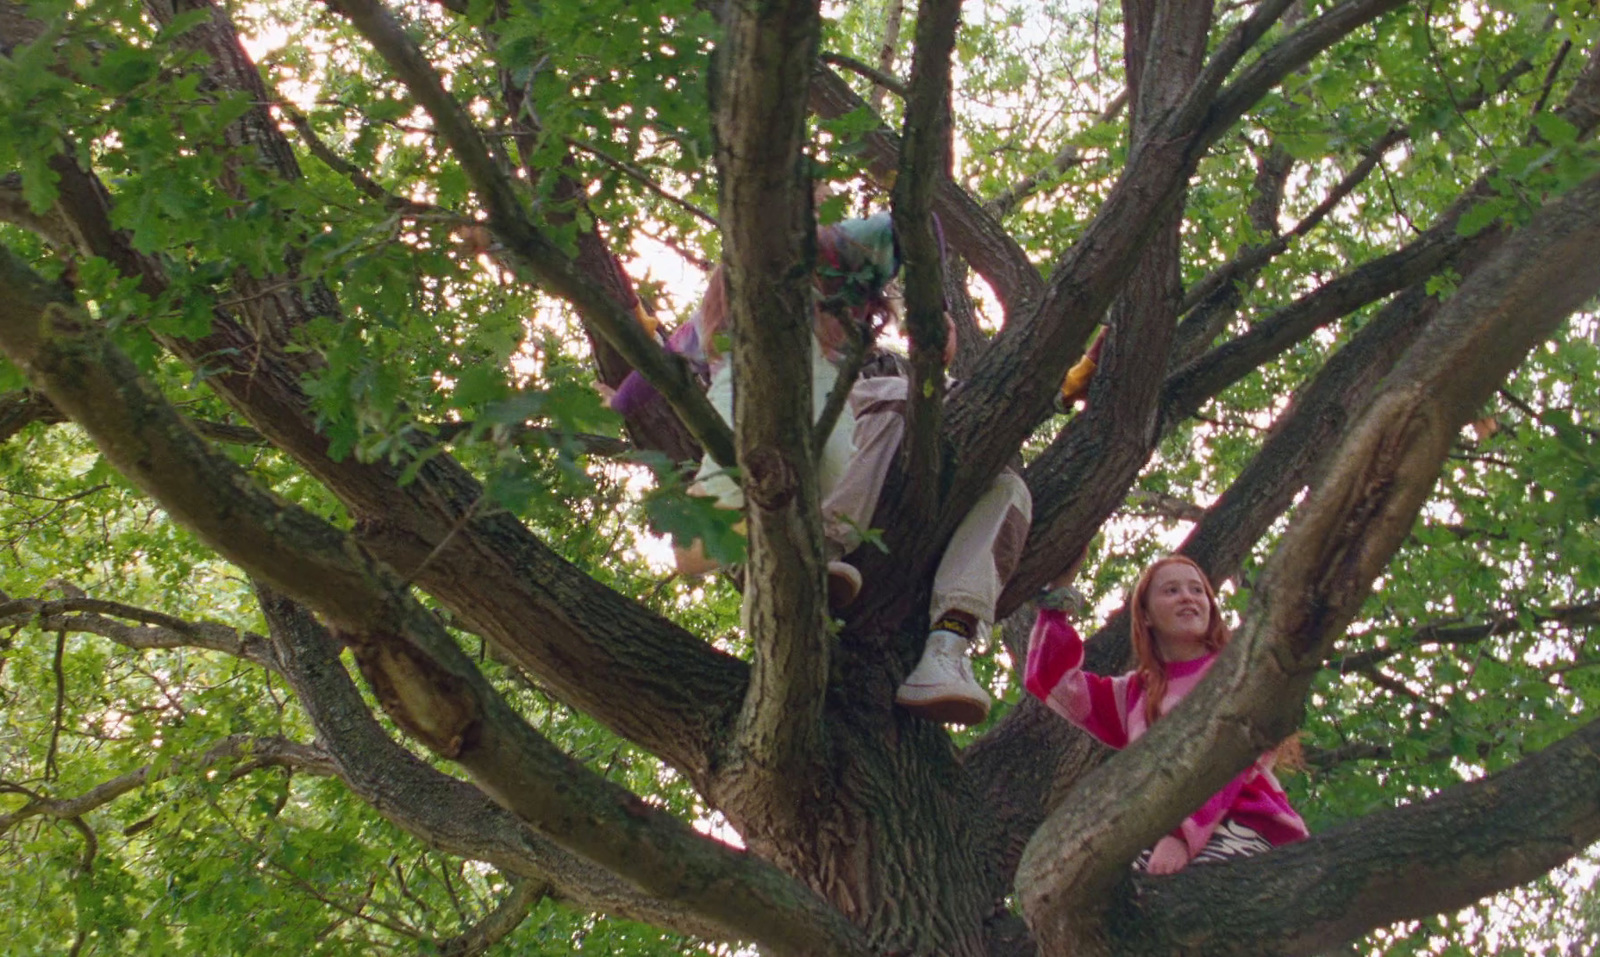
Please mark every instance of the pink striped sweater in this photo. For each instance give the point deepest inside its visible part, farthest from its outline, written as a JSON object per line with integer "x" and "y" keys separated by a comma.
{"x": 1112, "y": 709}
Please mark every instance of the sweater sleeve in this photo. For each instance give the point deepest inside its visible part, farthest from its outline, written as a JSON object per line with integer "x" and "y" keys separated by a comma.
{"x": 1055, "y": 675}
{"x": 1255, "y": 799}
{"x": 636, "y": 392}
{"x": 633, "y": 394}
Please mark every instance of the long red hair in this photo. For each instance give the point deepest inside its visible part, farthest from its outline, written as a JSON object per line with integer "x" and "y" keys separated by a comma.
{"x": 1152, "y": 670}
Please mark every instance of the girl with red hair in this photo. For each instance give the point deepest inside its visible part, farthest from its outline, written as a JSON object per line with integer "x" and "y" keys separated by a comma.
{"x": 1176, "y": 632}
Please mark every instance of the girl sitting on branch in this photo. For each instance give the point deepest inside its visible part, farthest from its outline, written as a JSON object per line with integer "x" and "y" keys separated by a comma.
{"x": 857, "y": 259}
{"x": 1176, "y": 631}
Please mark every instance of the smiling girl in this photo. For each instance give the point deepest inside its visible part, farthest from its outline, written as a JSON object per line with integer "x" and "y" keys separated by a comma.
{"x": 1177, "y": 630}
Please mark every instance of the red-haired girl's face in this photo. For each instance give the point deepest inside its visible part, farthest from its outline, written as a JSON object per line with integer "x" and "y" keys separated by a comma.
{"x": 1179, "y": 610}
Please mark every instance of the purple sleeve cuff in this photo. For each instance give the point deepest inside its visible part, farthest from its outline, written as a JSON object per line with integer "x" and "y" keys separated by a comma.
{"x": 633, "y": 394}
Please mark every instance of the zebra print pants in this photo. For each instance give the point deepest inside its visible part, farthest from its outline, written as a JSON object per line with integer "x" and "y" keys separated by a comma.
{"x": 1230, "y": 841}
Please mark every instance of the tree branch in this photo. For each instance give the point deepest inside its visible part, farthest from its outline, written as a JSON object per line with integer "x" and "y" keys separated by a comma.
{"x": 1194, "y": 383}
{"x": 1215, "y": 111}
{"x": 16, "y": 210}
{"x": 768, "y": 229}
{"x": 1252, "y": 259}
{"x": 22, "y": 408}
{"x": 1166, "y": 506}
{"x": 425, "y": 683}
{"x": 526, "y": 244}
{"x": 972, "y": 232}
{"x": 1303, "y": 438}
{"x": 663, "y": 688}
{"x": 1455, "y": 633}
{"x": 1016, "y": 380}
{"x": 1002, "y": 204}
{"x": 498, "y": 924}
{"x": 881, "y": 80}
{"x": 643, "y": 179}
{"x": 250, "y": 753}
{"x": 1065, "y": 517}
{"x": 925, "y": 162}
{"x": 894, "y": 15}
{"x": 153, "y": 631}
{"x": 356, "y": 175}
{"x": 1321, "y": 571}
{"x": 445, "y": 813}
{"x": 442, "y": 811}
{"x": 1241, "y": 40}
{"x": 1405, "y": 863}
{"x": 1206, "y": 314}
{"x": 1114, "y": 436}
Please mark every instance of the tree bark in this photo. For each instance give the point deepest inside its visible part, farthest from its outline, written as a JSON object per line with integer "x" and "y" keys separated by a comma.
{"x": 1318, "y": 575}
{"x": 1432, "y": 857}
{"x": 769, "y": 250}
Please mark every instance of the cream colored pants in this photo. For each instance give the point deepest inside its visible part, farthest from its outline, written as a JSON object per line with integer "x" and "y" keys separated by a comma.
{"x": 986, "y": 546}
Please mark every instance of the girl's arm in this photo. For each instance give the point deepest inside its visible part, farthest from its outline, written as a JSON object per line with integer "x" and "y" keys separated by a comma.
{"x": 1253, "y": 798}
{"x": 1055, "y": 675}
{"x": 636, "y": 392}
{"x": 633, "y": 394}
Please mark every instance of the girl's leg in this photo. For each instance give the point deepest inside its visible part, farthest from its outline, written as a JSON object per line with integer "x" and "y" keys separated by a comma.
{"x": 980, "y": 558}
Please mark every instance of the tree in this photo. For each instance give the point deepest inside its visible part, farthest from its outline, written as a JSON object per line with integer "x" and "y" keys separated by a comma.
{"x": 346, "y": 349}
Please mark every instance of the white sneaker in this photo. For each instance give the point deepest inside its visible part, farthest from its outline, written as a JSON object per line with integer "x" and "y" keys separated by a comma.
{"x": 941, "y": 688}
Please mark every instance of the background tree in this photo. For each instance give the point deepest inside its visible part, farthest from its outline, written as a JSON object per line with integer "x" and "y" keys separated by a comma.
{"x": 325, "y": 329}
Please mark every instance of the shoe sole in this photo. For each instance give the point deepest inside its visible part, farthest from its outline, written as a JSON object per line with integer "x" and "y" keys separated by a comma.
{"x": 843, "y": 589}
{"x": 962, "y": 711}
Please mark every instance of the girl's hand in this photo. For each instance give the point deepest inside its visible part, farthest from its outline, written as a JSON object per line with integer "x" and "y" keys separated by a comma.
{"x": 1063, "y": 598}
{"x": 1169, "y": 856}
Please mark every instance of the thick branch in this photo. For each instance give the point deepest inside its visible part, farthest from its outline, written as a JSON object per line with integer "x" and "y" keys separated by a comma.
{"x": 446, "y": 813}
{"x": 924, "y": 163}
{"x": 529, "y": 246}
{"x": 1220, "y": 110}
{"x": 1016, "y": 380}
{"x": 1406, "y": 863}
{"x": 972, "y": 232}
{"x": 443, "y": 811}
{"x": 1322, "y": 570}
{"x": 767, "y": 229}
{"x": 1201, "y": 327}
{"x": 662, "y": 687}
{"x": 1191, "y": 385}
{"x": 1211, "y": 301}
{"x": 422, "y": 679}
{"x": 1113, "y": 437}
{"x": 1065, "y": 518}
{"x": 1301, "y": 443}
{"x": 1305, "y": 437}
